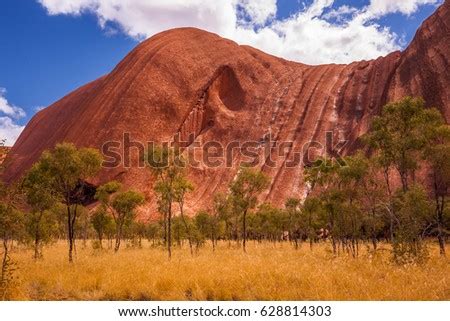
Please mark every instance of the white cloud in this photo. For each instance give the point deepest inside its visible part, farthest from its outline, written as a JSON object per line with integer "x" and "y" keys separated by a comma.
{"x": 143, "y": 18}
{"x": 8, "y": 109}
{"x": 317, "y": 33}
{"x": 260, "y": 11}
{"x": 9, "y": 130}
{"x": 379, "y": 8}
{"x": 341, "y": 13}
{"x": 67, "y": 7}
{"x": 39, "y": 108}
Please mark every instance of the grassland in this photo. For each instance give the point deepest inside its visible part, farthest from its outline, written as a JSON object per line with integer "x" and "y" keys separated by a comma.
{"x": 266, "y": 272}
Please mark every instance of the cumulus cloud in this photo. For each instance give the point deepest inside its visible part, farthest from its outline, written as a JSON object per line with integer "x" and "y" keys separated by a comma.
{"x": 9, "y": 113}
{"x": 258, "y": 12}
{"x": 317, "y": 33}
{"x": 379, "y": 8}
{"x": 8, "y": 109}
{"x": 9, "y": 131}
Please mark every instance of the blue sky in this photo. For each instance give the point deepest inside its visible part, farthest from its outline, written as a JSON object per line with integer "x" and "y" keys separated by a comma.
{"x": 50, "y": 48}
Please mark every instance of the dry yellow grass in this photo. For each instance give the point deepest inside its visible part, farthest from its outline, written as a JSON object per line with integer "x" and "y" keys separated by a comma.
{"x": 266, "y": 272}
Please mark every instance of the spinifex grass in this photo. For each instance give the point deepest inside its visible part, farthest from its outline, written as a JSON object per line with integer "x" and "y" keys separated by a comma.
{"x": 266, "y": 272}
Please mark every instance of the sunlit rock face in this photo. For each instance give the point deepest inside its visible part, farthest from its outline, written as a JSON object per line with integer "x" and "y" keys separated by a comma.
{"x": 202, "y": 88}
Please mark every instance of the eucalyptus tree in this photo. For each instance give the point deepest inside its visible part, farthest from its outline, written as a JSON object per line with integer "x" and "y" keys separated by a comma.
{"x": 182, "y": 186}
{"x": 11, "y": 228}
{"x": 323, "y": 178}
{"x": 414, "y": 211}
{"x": 66, "y": 169}
{"x": 203, "y": 226}
{"x": 312, "y": 217}
{"x": 245, "y": 190}
{"x": 400, "y": 134}
{"x": 223, "y": 209}
{"x": 437, "y": 154}
{"x": 102, "y": 222}
{"x": 400, "y": 137}
{"x": 167, "y": 166}
{"x": 296, "y": 226}
{"x": 121, "y": 205}
{"x": 41, "y": 223}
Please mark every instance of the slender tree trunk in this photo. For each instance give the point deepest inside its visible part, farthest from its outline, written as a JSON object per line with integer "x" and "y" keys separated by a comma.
{"x": 333, "y": 244}
{"x": 165, "y": 228}
{"x": 37, "y": 238}
{"x": 169, "y": 231}
{"x": 391, "y": 213}
{"x": 5, "y": 276}
{"x": 4, "y": 261}
{"x": 70, "y": 250}
{"x": 70, "y": 233}
{"x": 440, "y": 219}
{"x": 244, "y": 226}
{"x": 118, "y": 237}
{"x": 213, "y": 235}
{"x": 374, "y": 243}
{"x": 188, "y": 229}
{"x": 333, "y": 240}
{"x": 100, "y": 239}
{"x": 36, "y": 247}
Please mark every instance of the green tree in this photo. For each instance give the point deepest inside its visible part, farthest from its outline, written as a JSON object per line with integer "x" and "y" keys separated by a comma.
{"x": 224, "y": 213}
{"x": 295, "y": 221}
{"x": 41, "y": 223}
{"x": 438, "y": 156}
{"x": 154, "y": 231}
{"x": 400, "y": 133}
{"x": 179, "y": 231}
{"x": 245, "y": 190}
{"x": 122, "y": 206}
{"x": 413, "y": 212}
{"x": 11, "y": 228}
{"x": 375, "y": 203}
{"x": 322, "y": 175}
{"x": 102, "y": 222}
{"x": 269, "y": 223}
{"x": 404, "y": 131}
{"x": 82, "y": 226}
{"x": 352, "y": 179}
{"x": 42, "y": 229}
{"x": 220, "y": 210}
{"x": 138, "y": 231}
{"x": 67, "y": 168}
{"x": 340, "y": 196}
{"x": 183, "y": 186}
{"x": 312, "y": 216}
{"x": 207, "y": 225}
{"x": 104, "y": 195}
{"x": 167, "y": 166}
{"x": 202, "y": 222}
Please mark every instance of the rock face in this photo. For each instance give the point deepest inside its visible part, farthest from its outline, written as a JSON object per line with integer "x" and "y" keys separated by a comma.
{"x": 205, "y": 88}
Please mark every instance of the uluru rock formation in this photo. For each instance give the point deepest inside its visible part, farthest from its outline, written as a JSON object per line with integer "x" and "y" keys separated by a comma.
{"x": 205, "y": 88}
